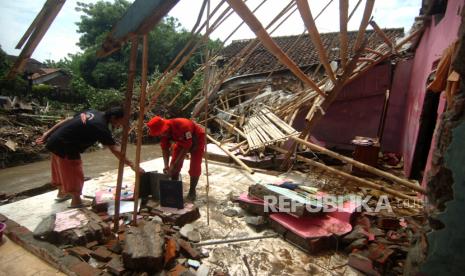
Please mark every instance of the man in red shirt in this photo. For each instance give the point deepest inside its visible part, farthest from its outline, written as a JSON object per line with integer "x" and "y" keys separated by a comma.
{"x": 187, "y": 137}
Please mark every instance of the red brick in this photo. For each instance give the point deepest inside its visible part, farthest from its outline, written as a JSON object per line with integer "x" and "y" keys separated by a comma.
{"x": 85, "y": 269}
{"x": 187, "y": 250}
{"x": 80, "y": 252}
{"x": 101, "y": 254}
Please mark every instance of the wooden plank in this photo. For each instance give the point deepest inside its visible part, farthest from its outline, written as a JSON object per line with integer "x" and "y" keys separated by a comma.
{"x": 243, "y": 11}
{"x": 307, "y": 16}
{"x": 139, "y": 19}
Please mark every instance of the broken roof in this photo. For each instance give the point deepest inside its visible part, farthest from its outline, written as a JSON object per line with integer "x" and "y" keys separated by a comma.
{"x": 303, "y": 52}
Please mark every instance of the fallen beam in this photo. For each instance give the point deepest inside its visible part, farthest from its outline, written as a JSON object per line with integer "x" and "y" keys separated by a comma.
{"x": 362, "y": 181}
{"x": 237, "y": 160}
{"x": 360, "y": 165}
{"x": 243, "y": 11}
{"x": 309, "y": 22}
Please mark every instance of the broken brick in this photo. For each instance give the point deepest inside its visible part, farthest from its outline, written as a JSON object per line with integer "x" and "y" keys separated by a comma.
{"x": 177, "y": 270}
{"x": 115, "y": 266}
{"x": 362, "y": 263}
{"x": 170, "y": 250}
{"x": 80, "y": 252}
{"x": 85, "y": 269}
{"x": 101, "y": 254}
{"x": 92, "y": 244}
{"x": 187, "y": 250}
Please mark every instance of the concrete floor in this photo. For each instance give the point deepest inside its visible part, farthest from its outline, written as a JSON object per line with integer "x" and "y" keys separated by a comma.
{"x": 270, "y": 256}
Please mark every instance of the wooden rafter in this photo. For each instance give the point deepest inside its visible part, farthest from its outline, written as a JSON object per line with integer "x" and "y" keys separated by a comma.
{"x": 343, "y": 18}
{"x": 243, "y": 11}
{"x": 306, "y": 14}
{"x": 364, "y": 23}
{"x": 35, "y": 33}
{"x": 382, "y": 34}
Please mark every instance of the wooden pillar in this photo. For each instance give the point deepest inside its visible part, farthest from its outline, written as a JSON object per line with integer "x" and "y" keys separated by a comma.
{"x": 124, "y": 139}
{"x": 140, "y": 125}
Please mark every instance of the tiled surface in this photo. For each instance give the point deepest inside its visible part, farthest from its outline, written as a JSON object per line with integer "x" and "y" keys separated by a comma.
{"x": 14, "y": 260}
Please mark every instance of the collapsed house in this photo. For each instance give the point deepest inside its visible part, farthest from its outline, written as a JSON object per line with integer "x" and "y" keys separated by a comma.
{"x": 332, "y": 88}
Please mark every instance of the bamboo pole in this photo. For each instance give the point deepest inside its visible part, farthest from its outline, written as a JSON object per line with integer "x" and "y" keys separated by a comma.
{"x": 124, "y": 139}
{"x": 343, "y": 17}
{"x": 237, "y": 160}
{"x": 362, "y": 181}
{"x": 307, "y": 17}
{"x": 374, "y": 51}
{"x": 140, "y": 125}
{"x": 230, "y": 126}
{"x": 243, "y": 11}
{"x": 361, "y": 165}
{"x": 408, "y": 38}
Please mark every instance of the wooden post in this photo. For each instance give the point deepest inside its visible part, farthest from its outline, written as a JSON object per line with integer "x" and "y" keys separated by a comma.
{"x": 360, "y": 165}
{"x": 237, "y": 160}
{"x": 243, "y": 11}
{"x": 124, "y": 139}
{"x": 307, "y": 16}
{"x": 343, "y": 17}
{"x": 140, "y": 125}
{"x": 362, "y": 181}
{"x": 206, "y": 87}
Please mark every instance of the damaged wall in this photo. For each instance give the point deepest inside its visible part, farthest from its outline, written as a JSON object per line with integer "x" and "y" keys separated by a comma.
{"x": 437, "y": 37}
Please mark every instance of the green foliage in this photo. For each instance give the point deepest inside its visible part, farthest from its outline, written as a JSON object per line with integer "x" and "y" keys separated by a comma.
{"x": 98, "y": 20}
{"x": 15, "y": 87}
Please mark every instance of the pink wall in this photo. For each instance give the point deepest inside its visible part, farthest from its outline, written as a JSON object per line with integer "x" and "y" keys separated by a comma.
{"x": 356, "y": 111}
{"x": 437, "y": 37}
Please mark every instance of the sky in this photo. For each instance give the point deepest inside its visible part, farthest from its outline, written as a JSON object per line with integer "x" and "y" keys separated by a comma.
{"x": 61, "y": 38}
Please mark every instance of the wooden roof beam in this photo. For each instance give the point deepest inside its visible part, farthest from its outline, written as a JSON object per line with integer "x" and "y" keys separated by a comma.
{"x": 35, "y": 33}
{"x": 382, "y": 35}
{"x": 364, "y": 23}
{"x": 243, "y": 11}
{"x": 307, "y": 17}
{"x": 343, "y": 18}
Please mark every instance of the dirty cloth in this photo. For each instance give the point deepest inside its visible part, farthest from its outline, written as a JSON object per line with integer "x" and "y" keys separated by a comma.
{"x": 446, "y": 78}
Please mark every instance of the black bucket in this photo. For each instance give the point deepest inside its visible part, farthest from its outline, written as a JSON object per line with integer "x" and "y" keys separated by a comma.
{"x": 150, "y": 184}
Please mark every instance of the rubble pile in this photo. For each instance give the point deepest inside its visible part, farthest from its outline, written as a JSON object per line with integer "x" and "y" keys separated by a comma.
{"x": 163, "y": 240}
{"x": 17, "y": 139}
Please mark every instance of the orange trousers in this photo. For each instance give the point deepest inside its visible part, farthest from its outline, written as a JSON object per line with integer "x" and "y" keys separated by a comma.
{"x": 68, "y": 174}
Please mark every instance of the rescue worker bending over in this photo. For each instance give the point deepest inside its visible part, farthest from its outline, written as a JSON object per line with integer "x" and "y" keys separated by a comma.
{"x": 187, "y": 136}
